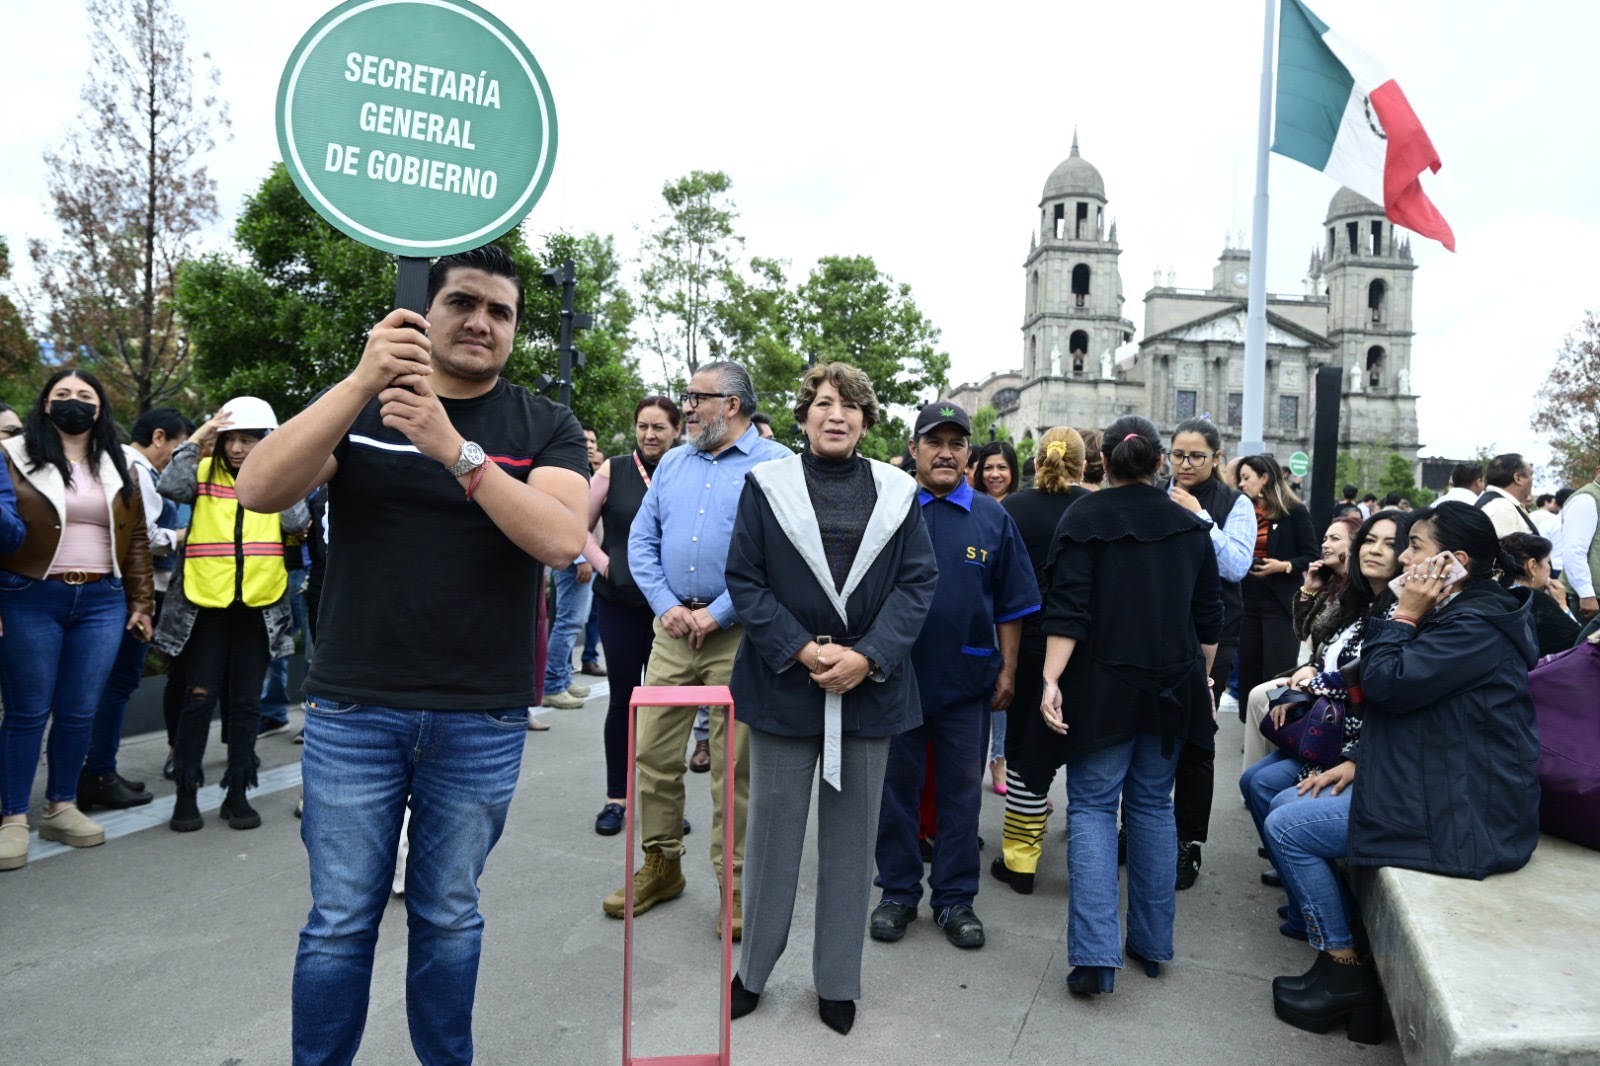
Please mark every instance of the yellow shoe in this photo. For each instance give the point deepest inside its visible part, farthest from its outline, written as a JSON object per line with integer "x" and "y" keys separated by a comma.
{"x": 13, "y": 846}
{"x": 738, "y": 918}
{"x": 71, "y": 827}
{"x": 659, "y": 880}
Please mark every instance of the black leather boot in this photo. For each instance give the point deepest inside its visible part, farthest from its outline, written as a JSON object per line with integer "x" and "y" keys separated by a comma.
{"x": 236, "y": 810}
{"x": 1340, "y": 991}
{"x": 186, "y": 811}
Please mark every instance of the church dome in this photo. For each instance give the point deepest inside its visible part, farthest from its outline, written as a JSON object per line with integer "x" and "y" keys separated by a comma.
{"x": 1075, "y": 176}
{"x": 1347, "y": 202}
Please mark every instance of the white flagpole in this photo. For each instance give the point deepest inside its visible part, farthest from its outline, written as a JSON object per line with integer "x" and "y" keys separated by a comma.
{"x": 1252, "y": 439}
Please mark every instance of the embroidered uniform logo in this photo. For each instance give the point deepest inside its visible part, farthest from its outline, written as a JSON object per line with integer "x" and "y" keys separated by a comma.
{"x": 977, "y": 556}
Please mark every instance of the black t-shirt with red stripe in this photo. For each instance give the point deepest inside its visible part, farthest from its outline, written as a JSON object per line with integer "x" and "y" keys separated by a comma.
{"x": 426, "y": 604}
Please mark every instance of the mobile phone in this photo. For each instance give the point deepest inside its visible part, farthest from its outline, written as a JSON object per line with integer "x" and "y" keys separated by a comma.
{"x": 1456, "y": 574}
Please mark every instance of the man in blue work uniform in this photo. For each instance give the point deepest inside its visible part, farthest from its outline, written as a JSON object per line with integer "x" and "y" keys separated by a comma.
{"x": 965, "y": 661}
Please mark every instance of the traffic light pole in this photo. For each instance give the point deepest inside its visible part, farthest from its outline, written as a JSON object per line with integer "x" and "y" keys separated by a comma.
{"x": 568, "y": 357}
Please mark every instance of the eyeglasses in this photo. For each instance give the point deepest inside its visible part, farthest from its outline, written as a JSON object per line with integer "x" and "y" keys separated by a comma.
{"x": 692, "y": 399}
{"x": 1190, "y": 458}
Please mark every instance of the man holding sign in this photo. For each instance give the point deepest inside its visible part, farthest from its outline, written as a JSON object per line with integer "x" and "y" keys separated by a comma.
{"x": 448, "y": 489}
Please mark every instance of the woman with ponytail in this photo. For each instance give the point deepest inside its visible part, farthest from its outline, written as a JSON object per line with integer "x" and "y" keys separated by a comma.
{"x": 1057, "y": 484}
{"x": 1447, "y": 755}
{"x": 1132, "y": 615}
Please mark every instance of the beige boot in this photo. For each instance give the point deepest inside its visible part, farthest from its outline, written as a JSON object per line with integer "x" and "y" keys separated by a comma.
{"x": 71, "y": 827}
{"x": 659, "y": 880}
{"x": 13, "y": 846}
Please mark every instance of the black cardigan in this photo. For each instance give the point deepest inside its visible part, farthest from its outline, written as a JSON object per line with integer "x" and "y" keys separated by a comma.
{"x": 1133, "y": 577}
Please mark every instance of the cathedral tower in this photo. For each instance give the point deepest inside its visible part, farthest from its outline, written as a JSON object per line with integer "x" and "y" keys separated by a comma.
{"x": 1073, "y": 304}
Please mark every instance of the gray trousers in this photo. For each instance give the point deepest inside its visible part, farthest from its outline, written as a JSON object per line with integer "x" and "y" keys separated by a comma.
{"x": 783, "y": 771}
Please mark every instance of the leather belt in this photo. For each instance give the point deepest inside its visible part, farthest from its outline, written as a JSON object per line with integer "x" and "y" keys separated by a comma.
{"x": 75, "y": 577}
{"x": 696, "y": 605}
{"x": 849, "y": 642}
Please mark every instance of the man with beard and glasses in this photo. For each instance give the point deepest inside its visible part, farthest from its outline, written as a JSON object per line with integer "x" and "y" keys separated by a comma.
{"x": 678, "y": 550}
{"x": 965, "y": 661}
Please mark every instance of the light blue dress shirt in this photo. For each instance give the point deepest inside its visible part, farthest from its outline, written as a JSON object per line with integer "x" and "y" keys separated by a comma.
{"x": 1235, "y": 540}
{"x": 678, "y": 545}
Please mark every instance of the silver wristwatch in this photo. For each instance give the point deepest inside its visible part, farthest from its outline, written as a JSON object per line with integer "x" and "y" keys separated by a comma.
{"x": 471, "y": 458}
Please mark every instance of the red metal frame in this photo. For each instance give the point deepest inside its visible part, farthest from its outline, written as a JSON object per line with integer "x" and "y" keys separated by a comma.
{"x": 684, "y": 696}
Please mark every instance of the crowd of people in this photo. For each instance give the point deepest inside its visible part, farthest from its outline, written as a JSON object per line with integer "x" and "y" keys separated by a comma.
{"x": 905, "y": 632}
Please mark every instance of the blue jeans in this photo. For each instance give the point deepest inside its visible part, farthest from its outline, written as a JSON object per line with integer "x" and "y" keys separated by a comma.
{"x": 1305, "y": 836}
{"x": 1141, "y": 777}
{"x": 361, "y": 765}
{"x": 997, "y": 734}
{"x": 572, "y": 611}
{"x": 56, "y": 652}
{"x": 591, "y": 632}
{"x": 1262, "y": 783}
{"x": 105, "y": 739}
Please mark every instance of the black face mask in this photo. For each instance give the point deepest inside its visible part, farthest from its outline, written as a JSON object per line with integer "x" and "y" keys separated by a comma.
{"x": 73, "y": 416}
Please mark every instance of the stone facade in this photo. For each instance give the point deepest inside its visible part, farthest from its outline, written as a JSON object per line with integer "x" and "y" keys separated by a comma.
{"x": 1080, "y": 366}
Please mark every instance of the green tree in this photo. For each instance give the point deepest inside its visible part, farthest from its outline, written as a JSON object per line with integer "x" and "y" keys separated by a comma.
{"x": 288, "y": 315}
{"x": 131, "y": 198}
{"x": 686, "y": 264}
{"x": 984, "y": 418}
{"x": 1567, "y": 405}
{"x": 848, "y": 309}
{"x": 755, "y": 326}
{"x": 19, "y": 352}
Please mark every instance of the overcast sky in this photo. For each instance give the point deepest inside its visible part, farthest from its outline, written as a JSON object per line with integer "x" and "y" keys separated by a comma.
{"x": 922, "y": 136}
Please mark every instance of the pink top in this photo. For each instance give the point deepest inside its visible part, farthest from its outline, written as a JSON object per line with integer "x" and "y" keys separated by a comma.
{"x": 86, "y": 537}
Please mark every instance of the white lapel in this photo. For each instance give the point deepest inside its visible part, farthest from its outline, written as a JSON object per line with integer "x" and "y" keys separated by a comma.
{"x": 46, "y": 480}
{"x": 783, "y": 482}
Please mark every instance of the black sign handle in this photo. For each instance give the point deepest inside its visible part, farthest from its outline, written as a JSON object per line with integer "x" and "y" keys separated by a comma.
{"x": 411, "y": 284}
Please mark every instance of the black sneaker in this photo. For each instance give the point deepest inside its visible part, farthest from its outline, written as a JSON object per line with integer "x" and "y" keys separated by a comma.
{"x": 889, "y": 921}
{"x": 1188, "y": 864}
{"x": 961, "y": 926}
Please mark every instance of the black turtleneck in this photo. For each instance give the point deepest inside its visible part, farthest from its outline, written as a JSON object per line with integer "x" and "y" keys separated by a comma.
{"x": 842, "y": 495}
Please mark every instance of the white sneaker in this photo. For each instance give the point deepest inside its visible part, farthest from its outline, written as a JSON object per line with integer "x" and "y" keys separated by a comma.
{"x": 562, "y": 701}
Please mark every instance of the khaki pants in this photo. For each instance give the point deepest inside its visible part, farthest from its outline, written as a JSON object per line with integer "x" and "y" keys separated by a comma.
{"x": 663, "y": 737}
{"x": 1256, "y": 746}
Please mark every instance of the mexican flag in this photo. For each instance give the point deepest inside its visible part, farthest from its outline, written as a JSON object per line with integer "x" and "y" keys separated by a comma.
{"x": 1339, "y": 112}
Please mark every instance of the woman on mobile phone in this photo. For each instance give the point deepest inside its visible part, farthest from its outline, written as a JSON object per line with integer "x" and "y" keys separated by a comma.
{"x": 1285, "y": 545}
{"x": 1448, "y": 760}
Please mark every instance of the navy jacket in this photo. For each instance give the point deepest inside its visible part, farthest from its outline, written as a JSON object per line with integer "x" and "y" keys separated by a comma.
{"x": 1447, "y": 779}
{"x": 777, "y": 593}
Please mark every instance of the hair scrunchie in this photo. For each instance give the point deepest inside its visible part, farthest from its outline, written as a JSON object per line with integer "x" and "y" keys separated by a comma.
{"x": 1056, "y": 449}
{"x": 1129, "y": 437}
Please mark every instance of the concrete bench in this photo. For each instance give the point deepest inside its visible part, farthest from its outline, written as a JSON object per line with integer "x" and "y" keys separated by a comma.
{"x": 1505, "y": 970}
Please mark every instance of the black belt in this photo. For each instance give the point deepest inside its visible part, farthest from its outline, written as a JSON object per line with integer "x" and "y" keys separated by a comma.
{"x": 849, "y": 642}
{"x": 696, "y": 605}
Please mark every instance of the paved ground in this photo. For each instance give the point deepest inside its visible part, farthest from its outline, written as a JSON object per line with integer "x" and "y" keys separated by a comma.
{"x": 161, "y": 948}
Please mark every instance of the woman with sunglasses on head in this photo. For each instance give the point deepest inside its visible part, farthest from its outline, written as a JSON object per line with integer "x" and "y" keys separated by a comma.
{"x": 77, "y": 581}
{"x": 1336, "y": 635}
{"x": 626, "y": 620}
{"x": 1285, "y": 545}
{"x": 1316, "y": 618}
{"x": 10, "y": 422}
{"x": 1448, "y": 756}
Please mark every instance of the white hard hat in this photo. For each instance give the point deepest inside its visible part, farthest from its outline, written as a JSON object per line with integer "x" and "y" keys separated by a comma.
{"x": 250, "y": 412}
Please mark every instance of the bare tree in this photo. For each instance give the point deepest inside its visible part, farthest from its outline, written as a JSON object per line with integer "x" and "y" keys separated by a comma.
{"x": 1568, "y": 403}
{"x": 131, "y": 197}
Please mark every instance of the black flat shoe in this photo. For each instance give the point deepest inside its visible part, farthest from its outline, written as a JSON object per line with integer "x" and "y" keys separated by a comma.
{"x": 1151, "y": 967}
{"x": 1271, "y": 879}
{"x": 741, "y": 999}
{"x": 837, "y": 1014}
{"x": 109, "y": 790}
{"x": 1020, "y": 883}
{"x": 608, "y": 823}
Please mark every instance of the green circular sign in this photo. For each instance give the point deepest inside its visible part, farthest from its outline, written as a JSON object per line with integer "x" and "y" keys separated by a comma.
{"x": 422, "y": 127}
{"x": 1299, "y": 464}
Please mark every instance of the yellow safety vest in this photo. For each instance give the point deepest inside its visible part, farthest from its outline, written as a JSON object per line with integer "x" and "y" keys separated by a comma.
{"x": 232, "y": 554}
